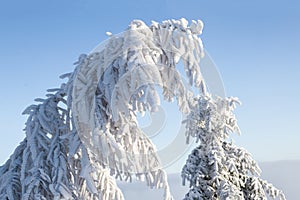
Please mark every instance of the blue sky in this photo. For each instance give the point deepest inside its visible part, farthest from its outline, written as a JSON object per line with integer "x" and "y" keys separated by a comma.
{"x": 255, "y": 45}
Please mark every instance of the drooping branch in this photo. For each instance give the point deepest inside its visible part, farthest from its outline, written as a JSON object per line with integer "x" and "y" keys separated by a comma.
{"x": 86, "y": 131}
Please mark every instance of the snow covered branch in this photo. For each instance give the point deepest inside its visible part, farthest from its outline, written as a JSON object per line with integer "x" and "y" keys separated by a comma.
{"x": 86, "y": 131}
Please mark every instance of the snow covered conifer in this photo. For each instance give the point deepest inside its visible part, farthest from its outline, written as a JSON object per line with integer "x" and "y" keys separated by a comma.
{"x": 217, "y": 169}
{"x": 85, "y": 134}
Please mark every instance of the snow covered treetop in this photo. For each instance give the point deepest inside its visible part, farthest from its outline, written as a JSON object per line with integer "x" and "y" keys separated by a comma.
{"x": 86, "y": 131}
{"x": 130, "y": 64}
{"x": 119, "y": 79}
{"x": 212, "y": 115}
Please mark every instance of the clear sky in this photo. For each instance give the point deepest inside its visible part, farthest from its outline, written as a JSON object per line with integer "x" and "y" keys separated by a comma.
{"x": 255, "y": 45}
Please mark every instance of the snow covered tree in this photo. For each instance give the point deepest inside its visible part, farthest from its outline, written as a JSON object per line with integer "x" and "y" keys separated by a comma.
{"x": 217, "y": 168}
{"x": 85, "y": 134}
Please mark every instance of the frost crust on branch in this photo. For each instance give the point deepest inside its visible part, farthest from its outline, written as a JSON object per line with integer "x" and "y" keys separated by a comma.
{"x": 127, "y": 71}
{"x": 86, "y": 132}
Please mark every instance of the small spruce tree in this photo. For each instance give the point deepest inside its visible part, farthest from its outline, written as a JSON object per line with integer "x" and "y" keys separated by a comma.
{"x": 217, "y": 169}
